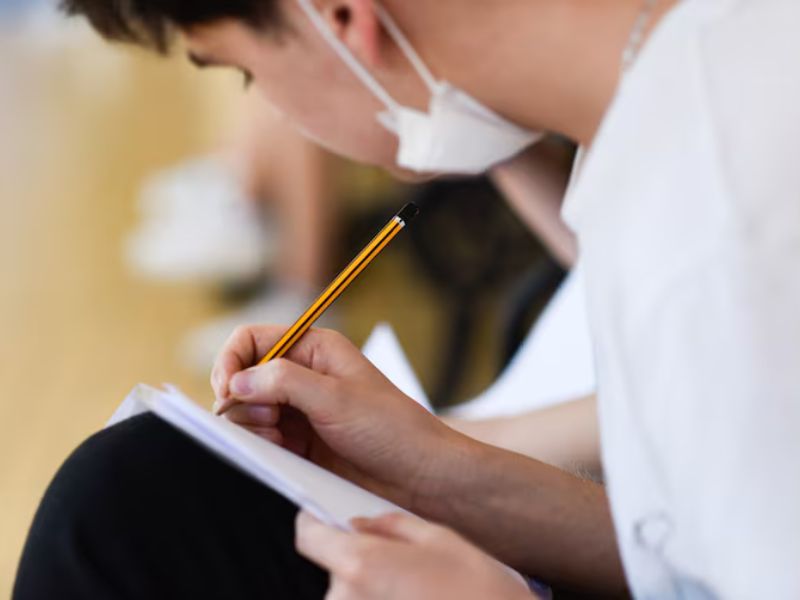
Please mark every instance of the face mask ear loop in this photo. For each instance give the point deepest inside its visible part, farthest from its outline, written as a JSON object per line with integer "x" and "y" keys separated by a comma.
{"x": 405, "y": 46}
{"x": 348, "y": 57}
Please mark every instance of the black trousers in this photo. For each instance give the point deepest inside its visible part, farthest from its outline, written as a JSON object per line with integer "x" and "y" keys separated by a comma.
{"x": 141, "y": 511}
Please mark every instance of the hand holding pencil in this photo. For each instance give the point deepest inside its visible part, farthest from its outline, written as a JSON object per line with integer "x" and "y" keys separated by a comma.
{"x": 334, "y": 290}
{"x": 321, "y": 398}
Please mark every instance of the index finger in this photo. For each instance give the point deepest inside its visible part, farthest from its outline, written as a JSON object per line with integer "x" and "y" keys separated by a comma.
{"x": 242, "y": 350}
{"x": 247, "y": 345}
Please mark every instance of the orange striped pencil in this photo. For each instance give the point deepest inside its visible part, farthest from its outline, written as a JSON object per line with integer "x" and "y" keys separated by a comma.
{"x": 342, "y": 282}
{"x": 337, "y": 287}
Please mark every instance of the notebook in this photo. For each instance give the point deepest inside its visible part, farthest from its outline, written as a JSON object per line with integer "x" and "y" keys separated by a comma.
{"x": 330, "y": 498}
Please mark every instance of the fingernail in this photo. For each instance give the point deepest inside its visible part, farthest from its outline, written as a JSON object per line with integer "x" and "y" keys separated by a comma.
{"x": 242, "y": 384}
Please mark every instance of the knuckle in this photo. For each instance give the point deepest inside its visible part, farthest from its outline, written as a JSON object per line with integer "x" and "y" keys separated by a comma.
{"x": 239, "y": 332}
{"x": 279, "y": 371}
{"x": 333, "y": 337}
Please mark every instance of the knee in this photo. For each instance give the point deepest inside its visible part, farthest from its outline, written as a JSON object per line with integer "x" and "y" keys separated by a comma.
{"x": 90, "y": 503}
{"x": 144, "y": 469}
{"x": 112, "y": 468}
{"x": 139, "y": 490}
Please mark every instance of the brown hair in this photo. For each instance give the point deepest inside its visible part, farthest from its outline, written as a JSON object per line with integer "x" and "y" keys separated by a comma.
{"x": 152, "y": 23}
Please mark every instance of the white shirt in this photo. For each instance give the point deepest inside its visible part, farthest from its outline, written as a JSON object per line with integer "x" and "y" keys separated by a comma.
{"x": 688, "y": 214}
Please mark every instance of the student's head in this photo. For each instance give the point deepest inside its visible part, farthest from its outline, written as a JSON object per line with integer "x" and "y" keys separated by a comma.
{"x": 281, "y": 45}
{"x": 273, "y": 43}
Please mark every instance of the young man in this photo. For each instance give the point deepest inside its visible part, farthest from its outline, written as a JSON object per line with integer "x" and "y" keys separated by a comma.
{"x": 688, "y": 216}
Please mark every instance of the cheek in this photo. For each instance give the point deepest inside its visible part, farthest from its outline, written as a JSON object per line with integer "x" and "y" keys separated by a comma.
{"x": 354, "y": 134}
{"x": 340, "y": 118}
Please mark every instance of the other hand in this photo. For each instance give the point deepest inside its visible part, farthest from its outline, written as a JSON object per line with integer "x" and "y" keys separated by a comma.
{"x": 400, "y": 556}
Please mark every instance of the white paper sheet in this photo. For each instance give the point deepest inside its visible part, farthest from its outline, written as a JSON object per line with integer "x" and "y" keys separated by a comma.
{"x": 383, "y": 349}
{"x": 330, "y": 498}
{"x": 554, "y": 364}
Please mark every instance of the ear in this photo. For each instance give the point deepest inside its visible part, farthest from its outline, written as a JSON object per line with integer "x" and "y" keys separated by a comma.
{"x": 356, "y": 23}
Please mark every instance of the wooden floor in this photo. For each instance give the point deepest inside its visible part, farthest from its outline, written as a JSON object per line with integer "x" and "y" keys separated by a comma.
{"x": 80, "y": 126}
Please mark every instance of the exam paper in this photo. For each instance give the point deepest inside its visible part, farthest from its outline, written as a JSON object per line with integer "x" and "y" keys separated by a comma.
{"x": 554, "y": 364}
{"x": 328, "y": 497}
{"x": 383, "y": 349}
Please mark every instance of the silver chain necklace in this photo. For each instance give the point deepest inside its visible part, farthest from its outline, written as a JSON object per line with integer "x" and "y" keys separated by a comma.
{"x": 637, "y": 37}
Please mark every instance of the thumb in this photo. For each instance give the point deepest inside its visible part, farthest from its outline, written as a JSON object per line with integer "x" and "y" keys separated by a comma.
{"x": 282, "y": 382}
{"x": 398, "y": 526}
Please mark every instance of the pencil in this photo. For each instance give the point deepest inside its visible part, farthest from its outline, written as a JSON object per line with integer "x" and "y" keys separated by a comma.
{"x": 342, "y": 282}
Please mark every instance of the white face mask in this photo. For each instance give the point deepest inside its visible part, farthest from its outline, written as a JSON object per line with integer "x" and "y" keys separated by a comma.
{"x": 457, "y": 135}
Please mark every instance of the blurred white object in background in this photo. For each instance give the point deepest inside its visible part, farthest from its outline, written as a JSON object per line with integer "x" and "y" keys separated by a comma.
{"x": 197, "y": 224}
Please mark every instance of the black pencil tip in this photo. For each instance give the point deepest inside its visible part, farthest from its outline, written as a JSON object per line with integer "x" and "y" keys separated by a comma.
{"x": 407, "y": 214}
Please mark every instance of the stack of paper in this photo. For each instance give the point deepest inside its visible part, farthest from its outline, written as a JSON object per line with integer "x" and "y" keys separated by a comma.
{"x": 328, "y": 497}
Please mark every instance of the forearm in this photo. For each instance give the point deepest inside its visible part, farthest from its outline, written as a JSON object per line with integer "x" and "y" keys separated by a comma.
{"x": 531, "y": 516}
{"x": 565, "y": 436}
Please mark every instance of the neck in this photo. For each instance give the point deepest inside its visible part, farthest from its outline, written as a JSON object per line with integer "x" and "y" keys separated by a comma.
{"x": 565, "y": 54}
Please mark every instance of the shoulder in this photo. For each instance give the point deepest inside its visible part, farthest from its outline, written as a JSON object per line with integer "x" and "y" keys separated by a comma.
{"x": 750, "y": 76}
